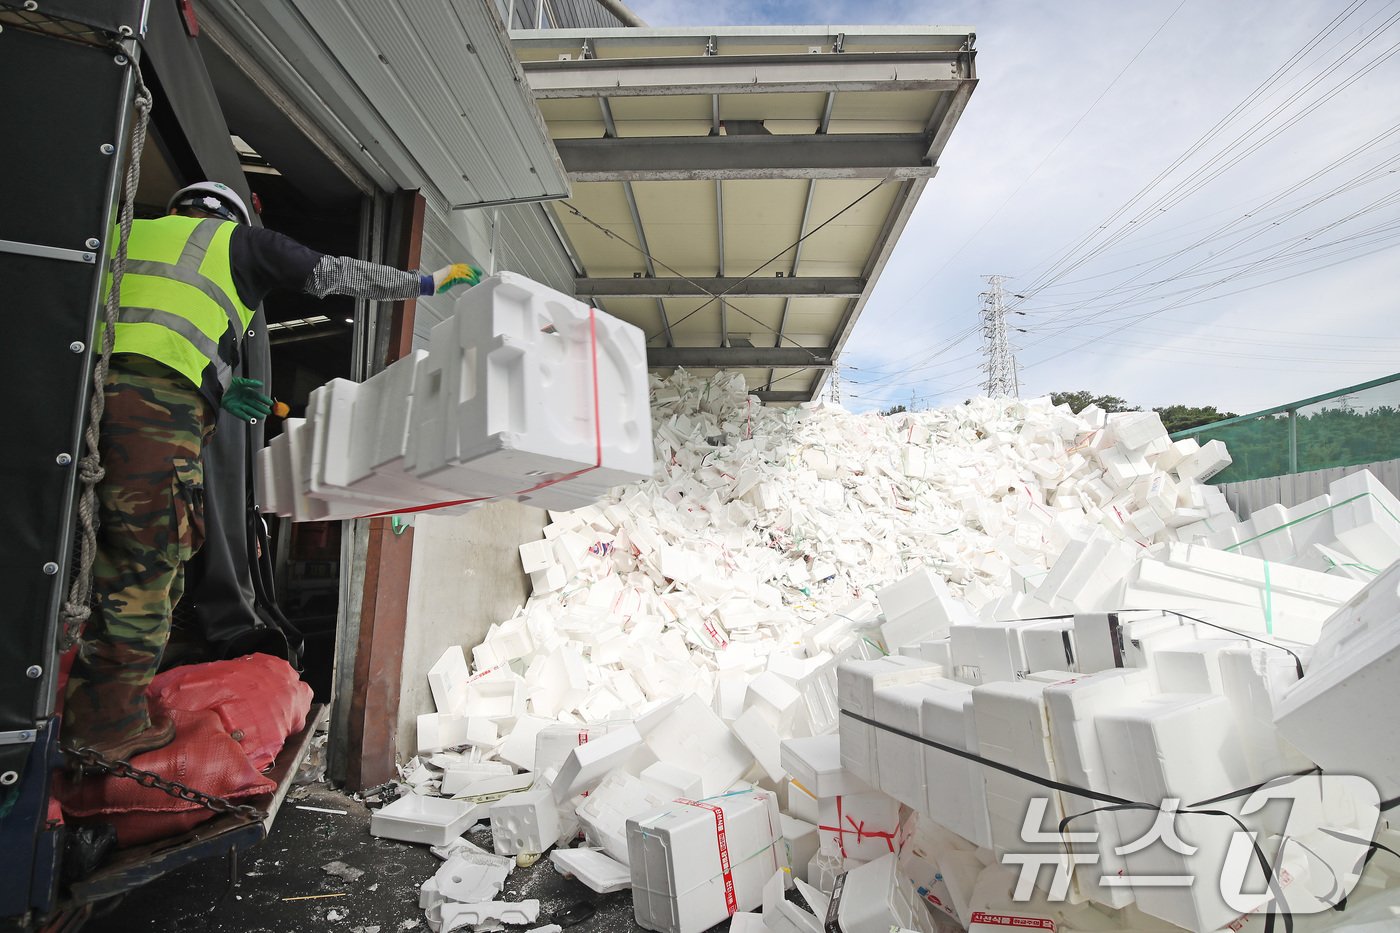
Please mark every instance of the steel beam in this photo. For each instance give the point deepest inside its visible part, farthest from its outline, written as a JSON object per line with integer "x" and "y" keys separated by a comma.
{"x": 731, "y": 288}
{"x": 740, "y": 357}
{"x": 686, "y": 158}
{"x": 769, "y": 396}
{"x": 749, "y": 74}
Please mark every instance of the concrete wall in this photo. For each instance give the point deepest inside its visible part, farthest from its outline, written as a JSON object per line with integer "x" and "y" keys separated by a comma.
{"x": 466, "y": 576}
{"x": 1245, "y": 497}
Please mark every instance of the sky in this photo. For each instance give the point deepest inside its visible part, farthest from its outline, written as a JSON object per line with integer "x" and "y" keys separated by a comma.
{"x": 1198, "y": 201}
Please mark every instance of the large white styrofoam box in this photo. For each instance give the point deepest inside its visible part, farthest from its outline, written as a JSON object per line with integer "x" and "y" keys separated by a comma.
{"x": 1181, "y": 747}
{"x": 957, "y": 794}
{"x": 1254, "y": 679}
{"x": 917, "y": 608}
{"x": 902, "y": 774}
{"x": 1366, "y": 518}
{"x": 1343, "y": 713}
{"x": 856, "y": 683}
{"x": 694, "y": 738}
{"x": 874, "y": 898}
{"x": 605, "y": 811}
{"x": 814, "y": 762}
{"x": 859, "y": 827}
{"x": 534, "y": 385}
{"x": 1013, "y": 729}
{"x": 694, "y": 863}
{"x": 1072, "y": 706}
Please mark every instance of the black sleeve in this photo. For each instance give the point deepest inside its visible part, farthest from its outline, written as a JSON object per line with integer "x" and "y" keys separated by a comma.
{"x": 264, "y": 261}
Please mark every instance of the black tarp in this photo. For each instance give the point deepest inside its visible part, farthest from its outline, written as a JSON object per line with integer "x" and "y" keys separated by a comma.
{"x": 226, "y": 605}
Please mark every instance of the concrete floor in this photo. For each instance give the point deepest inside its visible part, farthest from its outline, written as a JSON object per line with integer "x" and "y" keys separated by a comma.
{"x": 288, "y": 864}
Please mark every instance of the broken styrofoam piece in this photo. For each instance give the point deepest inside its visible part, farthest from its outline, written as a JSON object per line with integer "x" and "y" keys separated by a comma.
{"x": 678, "y": 854}
{"x": 468, "y": 877}
{"x": 515, "y": 913}
{"x": 782, "y": 916}
{"x": 417, "y": 818}
{"x": 595, "y": 869}
{"x": 526, "y": 822}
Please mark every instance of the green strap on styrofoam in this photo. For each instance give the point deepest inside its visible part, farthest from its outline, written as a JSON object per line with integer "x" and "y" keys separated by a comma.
{"x": 1361, "y": 495}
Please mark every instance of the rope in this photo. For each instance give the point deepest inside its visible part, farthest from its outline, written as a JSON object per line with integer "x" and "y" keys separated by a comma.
{"x": 78, "y": 606}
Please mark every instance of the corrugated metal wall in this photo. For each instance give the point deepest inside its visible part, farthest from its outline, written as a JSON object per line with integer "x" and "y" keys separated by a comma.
{"x": 558, "y": 14}
{"x": 1290, "y": 490}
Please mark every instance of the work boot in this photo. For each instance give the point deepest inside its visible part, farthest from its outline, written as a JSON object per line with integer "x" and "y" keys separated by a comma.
{"x": 159, "y": 734}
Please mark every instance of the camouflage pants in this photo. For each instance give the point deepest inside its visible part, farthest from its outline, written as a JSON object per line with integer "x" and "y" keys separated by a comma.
{"x": 152, "y": 521}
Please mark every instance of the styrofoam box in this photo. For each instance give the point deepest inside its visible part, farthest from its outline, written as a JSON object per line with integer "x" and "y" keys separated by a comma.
{"x": 917, "y": 608}
{"x": 1352, "y": 681}
{"x": 694, "y": 738}
{"x": 435, "y": 821}
{"x": 587, "y": 763}
{"x": 605, "y": 811}
{"x": 511, "y": 382}
{"x": 524, "y": 822}
{"x": 859, "y": 826}
{"x": 1072, "y": 706}
{"x": 447, "y": 679}
{"x": 856, "y": 683}
{"x": 957, "y": 795}
{"x": 1366, "y": 516}
{"x": 1152, "y": 752}
{"x": 902, "y": 760}
{"x": 876, "y": 899}
{"x": 814, "y": 762}
{"x": 801, "y": 842}
{"x": 677, "y": 856}
{"x": 1254, "y": 678}
{"x": 1013, "y": 729}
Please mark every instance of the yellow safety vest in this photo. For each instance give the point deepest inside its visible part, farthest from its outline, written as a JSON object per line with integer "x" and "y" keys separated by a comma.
{"x": 179, "y": 305}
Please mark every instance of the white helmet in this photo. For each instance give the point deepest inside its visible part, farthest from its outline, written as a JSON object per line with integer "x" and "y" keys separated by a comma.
{"x": 211, "y": 196}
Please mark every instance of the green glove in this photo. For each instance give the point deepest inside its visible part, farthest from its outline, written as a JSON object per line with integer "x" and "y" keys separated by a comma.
{"x": 243, "y": 400}
{"x": 459, "y": 273}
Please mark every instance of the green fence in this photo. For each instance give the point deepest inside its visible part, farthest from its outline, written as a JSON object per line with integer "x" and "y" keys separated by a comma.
{"x": 1351, "y": 426}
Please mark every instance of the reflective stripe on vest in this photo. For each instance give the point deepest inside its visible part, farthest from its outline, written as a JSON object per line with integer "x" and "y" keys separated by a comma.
{"x": 179, "y": 304}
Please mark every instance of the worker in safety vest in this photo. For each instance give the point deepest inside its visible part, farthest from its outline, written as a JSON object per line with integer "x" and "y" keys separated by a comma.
{"x": 191, "y": 284}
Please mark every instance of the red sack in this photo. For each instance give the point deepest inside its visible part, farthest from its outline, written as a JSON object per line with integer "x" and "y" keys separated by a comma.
{"x": 259, "y": 699}
{"x": 203, "y": 757}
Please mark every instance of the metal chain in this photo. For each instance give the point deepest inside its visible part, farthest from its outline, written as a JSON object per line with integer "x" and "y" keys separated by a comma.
{"x": 92, "y": 758}
{"x": 78, "y": 606}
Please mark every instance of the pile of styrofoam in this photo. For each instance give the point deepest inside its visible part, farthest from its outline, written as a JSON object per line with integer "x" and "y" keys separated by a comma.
{"x": 523, "y": 393}
{"x": 989, "y": 577}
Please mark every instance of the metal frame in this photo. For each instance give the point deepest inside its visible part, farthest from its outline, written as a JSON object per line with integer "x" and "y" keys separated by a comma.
{"x": 787, "y": 286}
{"x": 687, "y": 158}
{"x": 611, "y": 128}
{"x": 748, "y": 74}
{"x": 1291, "y": 410}
{"x": 741, "y": 357}
{"x": 621, "y": 63}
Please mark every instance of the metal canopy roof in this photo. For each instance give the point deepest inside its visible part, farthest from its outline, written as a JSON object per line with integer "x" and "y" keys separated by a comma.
{"x": 737, "y": 191}
{"x": 420, "y": 95}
